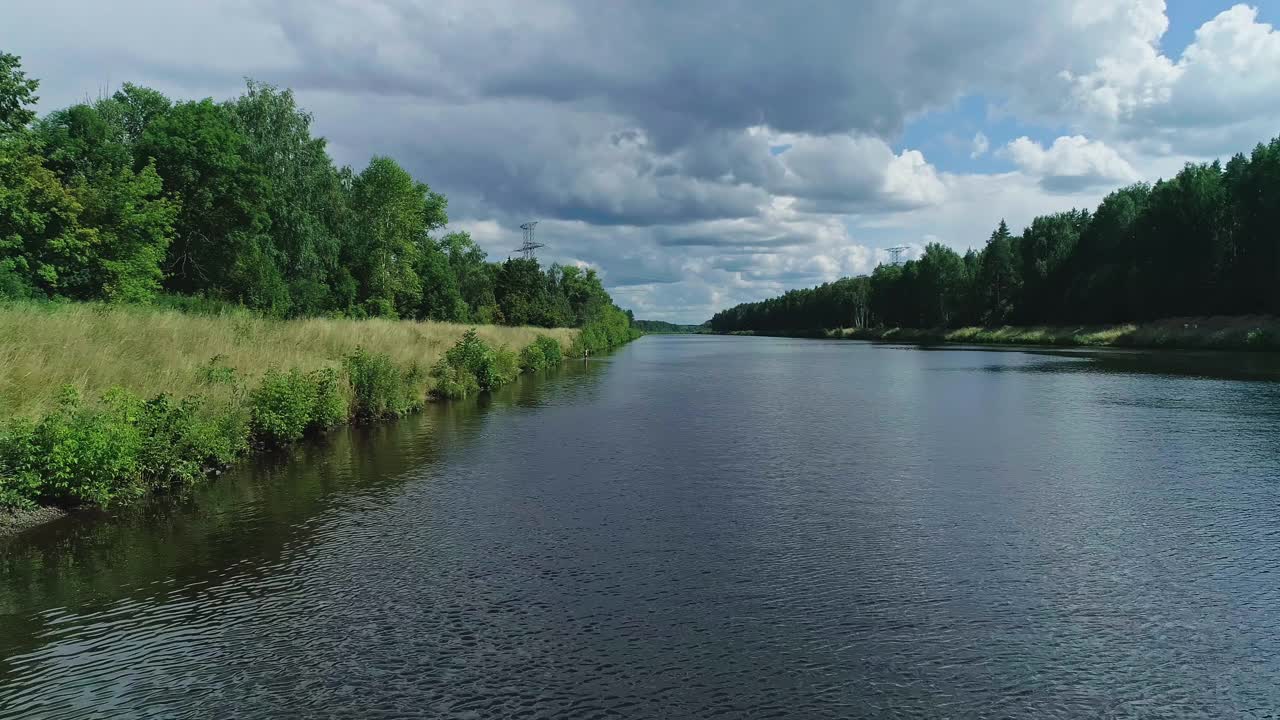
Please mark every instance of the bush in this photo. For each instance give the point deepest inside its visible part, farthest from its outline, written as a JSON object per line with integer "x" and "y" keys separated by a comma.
{"x": 609, "y": 329}
{"x": 215, "y": 372}
{"x": 542, "y": 354}
{"x": 280, "y": 408}
{"x": 286, "y": 406}
{"x": 453, "y": 382}
{"x": 506, "y": 367}
{"x": 381, "y": 390}
{"x": 330, "y": 406}
{"x": 182, "y": 441}
{"x": 76, "y": 455}
{"x": 471, "y": 365}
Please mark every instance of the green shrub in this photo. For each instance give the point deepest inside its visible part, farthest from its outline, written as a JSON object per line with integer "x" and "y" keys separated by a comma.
{"x": 216, "y": 372}
{"x": 182, "y": 441}
{"x": 453, "y": 382}
{"x": 381, "y": 390}
{"x": 287, "y": 406}
{"x": 329, "y": 404}
{"x": 280, "y": 408}
{"x": 20, "y": 483}
{"x": 506, "y": 367}
{"x": 76, "y": 455}
{"x": 471, "y": 365}
{"x": 542, "y": 354}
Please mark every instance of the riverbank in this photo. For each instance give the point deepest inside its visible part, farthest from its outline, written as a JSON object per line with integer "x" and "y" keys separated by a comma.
{"x": 1254, "y": 332}
{"x": 100, "y": 404}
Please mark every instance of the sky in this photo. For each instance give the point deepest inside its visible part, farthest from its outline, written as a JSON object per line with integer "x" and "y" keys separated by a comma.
{"x": 703, "y": 153}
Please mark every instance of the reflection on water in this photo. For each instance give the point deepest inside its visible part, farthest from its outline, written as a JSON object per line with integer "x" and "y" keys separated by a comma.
{"x": 703, "y": 526}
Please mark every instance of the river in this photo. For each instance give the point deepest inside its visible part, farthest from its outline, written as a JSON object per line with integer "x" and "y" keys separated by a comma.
{"x": 703, "y": 527}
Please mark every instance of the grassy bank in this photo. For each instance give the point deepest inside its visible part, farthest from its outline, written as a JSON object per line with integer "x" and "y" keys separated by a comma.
{"x": 44, "y": 347}
{"x": 1255, "y": 332}
{"x": 100, "y": 405}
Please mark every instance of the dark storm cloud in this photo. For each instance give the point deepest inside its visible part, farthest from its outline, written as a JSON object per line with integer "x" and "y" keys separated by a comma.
{"x": 735, "y": 241}
{"x": 678, "y": 69}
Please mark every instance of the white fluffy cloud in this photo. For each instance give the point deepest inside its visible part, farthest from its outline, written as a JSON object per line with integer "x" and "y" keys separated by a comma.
{"x": 1070, "y": 163}
{"x": 1220, "y": 93}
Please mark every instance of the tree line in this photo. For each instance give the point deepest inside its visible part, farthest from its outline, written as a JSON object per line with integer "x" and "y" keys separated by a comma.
{"x": 137, "y": 197}
{"x": 1204, "y": 242}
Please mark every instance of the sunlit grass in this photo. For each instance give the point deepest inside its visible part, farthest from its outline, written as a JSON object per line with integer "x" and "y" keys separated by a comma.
{"x": 1253, "y": 332}
{"x": 149, "y": 351}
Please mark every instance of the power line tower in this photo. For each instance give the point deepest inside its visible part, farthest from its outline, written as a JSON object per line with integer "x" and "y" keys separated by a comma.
{"x": 895, "y": 254}
{"x": 529, "y": 246}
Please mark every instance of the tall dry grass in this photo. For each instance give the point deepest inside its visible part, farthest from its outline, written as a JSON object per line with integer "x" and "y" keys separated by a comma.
{"x": 95, "y": 347}
{"x": 1246, "y": 332}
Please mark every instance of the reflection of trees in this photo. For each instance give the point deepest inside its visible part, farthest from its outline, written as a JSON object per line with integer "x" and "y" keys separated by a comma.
{"x": 252, "y": 517}
{"x": 1208, "y": 364}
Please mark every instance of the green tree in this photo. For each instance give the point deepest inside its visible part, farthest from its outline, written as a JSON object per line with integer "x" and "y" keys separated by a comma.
{"x": 1183, "y": 242}
{"x": 441, "y": 299}
{"x": 17, "y": 95}
{"x": 391, "y": 213}
{"x": 474, "y": 276}
{"x": 301, "y": 192}
{"x": 137, "y": 107}
{"x": 1102, "y": 283}
{"x": 997, "y": 279}
{"x": 1253, "y": 184}
{"x": 39, "y": 227}
{"x": 125, "y": 221}
{"x": 1045, "y": 248}
{"x": 220, "y": 244}
{"x": 523, "y": 293}
{"x": 943, "y": 286}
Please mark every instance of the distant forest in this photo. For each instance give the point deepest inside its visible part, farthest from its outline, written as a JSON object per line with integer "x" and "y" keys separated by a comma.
{"x": 1205, "y": 242}
{"x": 137, "y": 198}
{"x": 658, "y": 326}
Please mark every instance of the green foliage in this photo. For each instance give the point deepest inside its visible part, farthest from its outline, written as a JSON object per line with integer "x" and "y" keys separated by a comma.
{"x": 472, "y": 365}
{"x": 609, "y": 329}
{"x": 181, "y": 441}
{"x": 77, "y": 455}
{"x": 543, "y": 353}
{"x": 115, "y": 450}
{"x": 663, "y": 327}
{"x": 281, "y": 407}
{"x": 39, "y": 223}
{"x": 394, "y": 212}
{"x": 286, "y": 406}
{"x": 380, "y": 388}
{"x": 200, "y": 153}
{"x": 133, "y": 198}
{"x": 301, "y": 194}
{"x": 17, "y": 95}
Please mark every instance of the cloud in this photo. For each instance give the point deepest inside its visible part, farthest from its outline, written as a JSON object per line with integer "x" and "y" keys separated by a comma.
{"x": 980, "y": 146}
{"x": 1221, "y": 94}
{"x": 1071, "y": 163}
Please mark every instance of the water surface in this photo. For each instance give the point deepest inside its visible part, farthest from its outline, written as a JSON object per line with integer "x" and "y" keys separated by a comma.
{"x": 704, "y": 527}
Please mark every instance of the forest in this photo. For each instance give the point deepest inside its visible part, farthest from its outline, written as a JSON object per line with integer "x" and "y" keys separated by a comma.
{"x": 667, "y": 328}
{"x": 142, "y": 199}
{"x": 1203, "y": 243}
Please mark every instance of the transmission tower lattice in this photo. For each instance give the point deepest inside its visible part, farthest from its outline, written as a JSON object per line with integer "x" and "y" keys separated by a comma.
{"x": 895, "y": 254}
{"x": 529, "y": 246}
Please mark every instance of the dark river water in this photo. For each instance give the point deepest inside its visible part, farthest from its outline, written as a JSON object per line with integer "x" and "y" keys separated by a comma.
{"x": 702, "y": 527}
